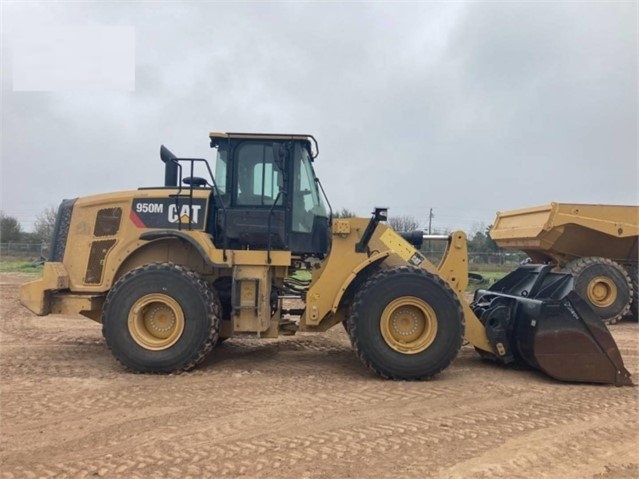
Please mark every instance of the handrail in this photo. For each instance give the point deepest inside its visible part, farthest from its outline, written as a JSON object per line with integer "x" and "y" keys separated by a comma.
{"x": 216, "y": 192}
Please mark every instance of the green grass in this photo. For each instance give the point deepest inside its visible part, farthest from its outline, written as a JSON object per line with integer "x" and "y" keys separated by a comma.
{"x": 492, "y": 276}
{"x": 482, "y": 268}
{"x": 489, "y": 276}
{"x": 10, "y": 265}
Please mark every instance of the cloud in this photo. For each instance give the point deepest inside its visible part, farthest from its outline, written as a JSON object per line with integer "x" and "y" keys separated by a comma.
{"x": 466, "y": 108}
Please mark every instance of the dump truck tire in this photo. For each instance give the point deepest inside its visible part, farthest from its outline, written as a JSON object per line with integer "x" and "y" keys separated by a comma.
{"x": 604, "y": 285}
{"x": 633, "y": 271}
{"x": 161, "y": 318}
{"x": 406, "y": 323}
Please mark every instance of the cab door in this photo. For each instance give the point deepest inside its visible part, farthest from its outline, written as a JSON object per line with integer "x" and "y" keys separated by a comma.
{"x": 257, "y": 193}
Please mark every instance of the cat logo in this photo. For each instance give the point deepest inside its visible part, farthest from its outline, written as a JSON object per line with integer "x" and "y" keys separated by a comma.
{"x": 416, "y": 259}
{"x": 168, "y": 213}
{"x": 186, "y": 215}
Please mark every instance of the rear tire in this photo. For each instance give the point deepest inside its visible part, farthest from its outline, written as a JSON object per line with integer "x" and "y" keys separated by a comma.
{"x": 161, "y": 318}
{"x": 604, "y": 285}
{"x": 406, "y": 323}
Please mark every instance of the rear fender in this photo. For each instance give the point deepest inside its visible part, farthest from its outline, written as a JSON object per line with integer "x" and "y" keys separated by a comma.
{"x": 202, "y": 249}
{"x": 167, "y": 248}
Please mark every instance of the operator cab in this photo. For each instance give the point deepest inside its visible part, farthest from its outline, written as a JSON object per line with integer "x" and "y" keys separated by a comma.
{"x": 268, "y": 195}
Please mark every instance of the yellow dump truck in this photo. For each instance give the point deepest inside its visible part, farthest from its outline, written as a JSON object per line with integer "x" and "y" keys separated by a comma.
{"x": 596, "y": 243}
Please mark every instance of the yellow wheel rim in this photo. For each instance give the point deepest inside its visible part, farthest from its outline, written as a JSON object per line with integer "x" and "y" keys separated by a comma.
{"x": 602, "y": 291}
{"x": 408, "y": 325}
{"x": 156, "y": 321}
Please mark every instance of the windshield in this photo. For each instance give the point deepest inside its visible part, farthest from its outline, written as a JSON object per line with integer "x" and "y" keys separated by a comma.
{"x": 307, "y": 202}
{"x": 312, "y": 198}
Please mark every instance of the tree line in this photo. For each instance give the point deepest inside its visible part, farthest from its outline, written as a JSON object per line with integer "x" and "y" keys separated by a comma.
{"x": 11, "y": 231}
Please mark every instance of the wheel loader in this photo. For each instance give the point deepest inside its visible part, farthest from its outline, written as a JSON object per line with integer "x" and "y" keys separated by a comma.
{"x": 171, "y": 271}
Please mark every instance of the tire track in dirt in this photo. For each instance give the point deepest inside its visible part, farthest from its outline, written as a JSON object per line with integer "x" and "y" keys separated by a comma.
{"x": 296, "y": 407}
{"x": 18, "y": 325}
{"x": 40, "y": 402}
{"x": 555, "y": 446}
{"x": 485, "y": 428}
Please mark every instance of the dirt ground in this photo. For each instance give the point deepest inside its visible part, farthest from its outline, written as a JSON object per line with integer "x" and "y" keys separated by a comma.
{"x": 295, "y": 407}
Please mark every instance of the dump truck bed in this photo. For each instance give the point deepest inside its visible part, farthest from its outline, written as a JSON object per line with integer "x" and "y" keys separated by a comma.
{"x": 561, "y": 232}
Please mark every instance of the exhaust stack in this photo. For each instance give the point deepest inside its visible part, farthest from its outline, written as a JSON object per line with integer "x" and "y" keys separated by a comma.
{"x": 170, "y": 166}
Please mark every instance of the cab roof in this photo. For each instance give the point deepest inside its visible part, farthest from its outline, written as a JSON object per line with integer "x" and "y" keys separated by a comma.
{"x": 215, "y": 136}
{"x": 259, "y": 136}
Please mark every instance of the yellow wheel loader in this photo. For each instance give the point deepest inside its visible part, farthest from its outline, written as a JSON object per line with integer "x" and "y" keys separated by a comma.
{"x": 171, "y": 271}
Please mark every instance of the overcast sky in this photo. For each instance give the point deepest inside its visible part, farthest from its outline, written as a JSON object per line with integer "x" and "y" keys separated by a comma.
{"x": 466, "y": 108}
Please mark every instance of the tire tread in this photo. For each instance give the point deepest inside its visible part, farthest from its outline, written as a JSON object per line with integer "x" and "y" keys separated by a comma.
{"x": 210, "y": 299}
{"x": 633, "y": 272}
{"x": 579, "y": 265}
{"x": 353, "y": 318}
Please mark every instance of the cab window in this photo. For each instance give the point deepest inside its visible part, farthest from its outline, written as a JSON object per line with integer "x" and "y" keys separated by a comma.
{"x": 258, "y": 179}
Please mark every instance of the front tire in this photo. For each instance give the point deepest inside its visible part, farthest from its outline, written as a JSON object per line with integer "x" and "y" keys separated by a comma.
{"x": 161, "y": 318}
{"x": 406, "y": 323}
